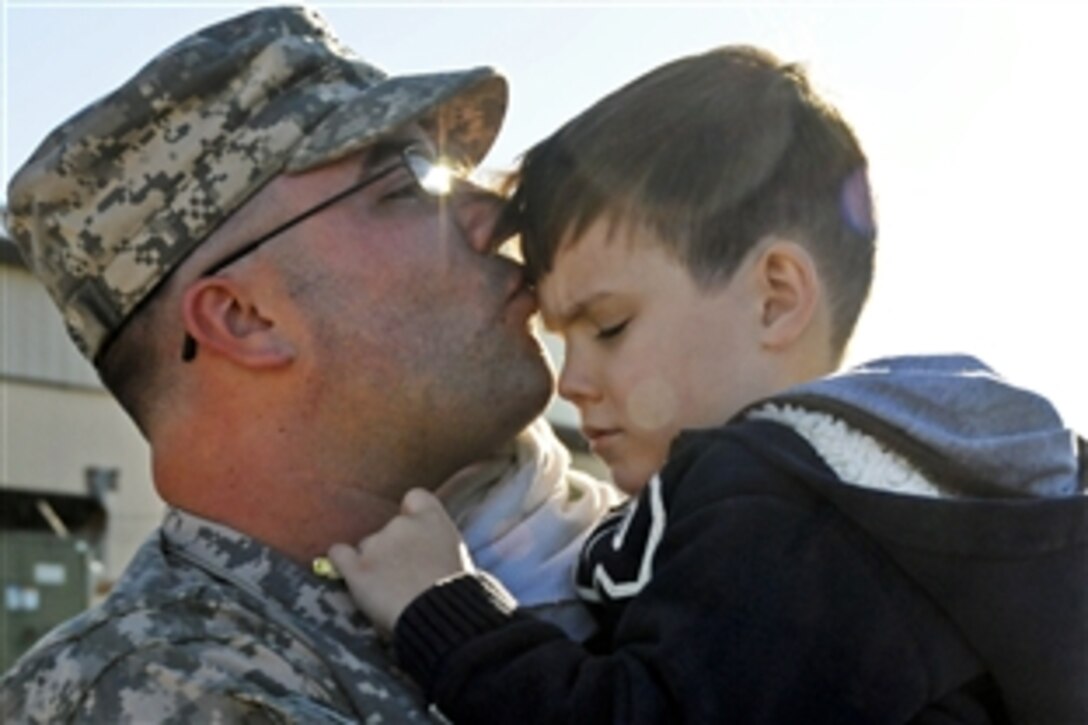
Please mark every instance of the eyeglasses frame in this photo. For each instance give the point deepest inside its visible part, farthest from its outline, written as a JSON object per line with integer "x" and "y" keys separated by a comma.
{"x": 414, "y": 157}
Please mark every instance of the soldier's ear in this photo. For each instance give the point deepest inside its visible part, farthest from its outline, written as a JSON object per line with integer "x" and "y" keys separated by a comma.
{"x": 224, "y": 319}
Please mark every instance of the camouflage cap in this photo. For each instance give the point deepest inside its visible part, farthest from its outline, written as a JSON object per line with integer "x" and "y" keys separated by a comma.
{"x": 114, "y": 199}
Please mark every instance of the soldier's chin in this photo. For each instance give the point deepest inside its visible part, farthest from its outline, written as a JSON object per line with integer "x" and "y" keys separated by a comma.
{"x": 526, "y": 403}
{"x": 540, "y": 387}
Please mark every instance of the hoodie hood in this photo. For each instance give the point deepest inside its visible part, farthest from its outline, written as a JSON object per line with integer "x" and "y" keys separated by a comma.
{"x": 976, "y": 490}
{"x": 958, "y": 421}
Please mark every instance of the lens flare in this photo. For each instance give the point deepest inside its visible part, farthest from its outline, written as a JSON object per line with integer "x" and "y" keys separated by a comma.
{"x": 438, "y": 180}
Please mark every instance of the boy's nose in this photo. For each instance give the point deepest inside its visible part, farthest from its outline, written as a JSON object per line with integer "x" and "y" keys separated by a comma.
{"x": 575, "y": 384}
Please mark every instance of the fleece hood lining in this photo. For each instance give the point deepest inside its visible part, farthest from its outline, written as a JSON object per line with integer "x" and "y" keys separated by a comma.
{"x": 855, "y": 457}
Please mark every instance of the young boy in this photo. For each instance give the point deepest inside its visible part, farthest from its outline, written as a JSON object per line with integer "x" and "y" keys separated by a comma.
{"x": 905, "y": 542}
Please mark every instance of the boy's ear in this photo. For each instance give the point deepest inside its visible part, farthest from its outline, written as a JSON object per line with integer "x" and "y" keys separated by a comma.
{"x": 221, "y": 316}
{"x": 790, "y": 292}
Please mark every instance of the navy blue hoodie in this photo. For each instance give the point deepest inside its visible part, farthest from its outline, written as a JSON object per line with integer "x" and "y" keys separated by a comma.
{"x": 904, "y": 542}
{"x": 1001, "y": 543}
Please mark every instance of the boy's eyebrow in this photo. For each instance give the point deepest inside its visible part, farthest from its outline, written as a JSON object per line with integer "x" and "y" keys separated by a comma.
{"x": 569, "y": 316}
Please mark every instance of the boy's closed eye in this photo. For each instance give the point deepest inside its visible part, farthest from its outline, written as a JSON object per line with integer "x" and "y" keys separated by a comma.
{"x": 612, "y": 331}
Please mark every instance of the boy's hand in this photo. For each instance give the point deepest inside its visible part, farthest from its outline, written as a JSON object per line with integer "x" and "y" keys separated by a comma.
{"x": 392, "y": 567}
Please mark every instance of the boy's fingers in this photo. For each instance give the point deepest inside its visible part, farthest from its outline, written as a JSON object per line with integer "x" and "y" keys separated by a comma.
{"x": 418, "y": 501}
{"x": 343, "y": 557}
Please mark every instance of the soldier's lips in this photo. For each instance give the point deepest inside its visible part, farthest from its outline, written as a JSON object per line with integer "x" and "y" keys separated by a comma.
{"x": 521, "y": 299}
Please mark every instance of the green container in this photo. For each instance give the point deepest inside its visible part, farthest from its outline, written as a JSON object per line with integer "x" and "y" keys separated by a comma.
{"x": 44, "y": 580}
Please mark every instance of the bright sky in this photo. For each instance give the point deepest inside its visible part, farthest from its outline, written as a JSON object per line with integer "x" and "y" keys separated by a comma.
{"x": 972, "y": 115}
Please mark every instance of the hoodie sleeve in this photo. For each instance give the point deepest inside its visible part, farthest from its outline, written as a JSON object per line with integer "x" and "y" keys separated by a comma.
{"x": 763, "y": 607}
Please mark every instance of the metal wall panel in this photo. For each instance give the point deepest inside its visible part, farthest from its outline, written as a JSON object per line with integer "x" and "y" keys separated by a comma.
{"x": 49, "y": 438}
{"x": 33, "y": 343}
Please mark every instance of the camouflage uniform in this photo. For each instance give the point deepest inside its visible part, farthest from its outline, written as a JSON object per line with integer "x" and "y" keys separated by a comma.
{"x": 209, "y": 625}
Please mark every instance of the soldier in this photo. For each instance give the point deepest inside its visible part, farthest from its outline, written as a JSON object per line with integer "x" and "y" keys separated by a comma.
{"x": 254, "y": 243}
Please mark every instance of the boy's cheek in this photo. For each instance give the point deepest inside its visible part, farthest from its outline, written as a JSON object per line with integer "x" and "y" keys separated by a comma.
{"x": 652, "y": 404}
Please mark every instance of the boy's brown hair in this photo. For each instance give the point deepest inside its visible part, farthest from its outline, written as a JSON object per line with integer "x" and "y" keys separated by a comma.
{"x": 713, "y": 153}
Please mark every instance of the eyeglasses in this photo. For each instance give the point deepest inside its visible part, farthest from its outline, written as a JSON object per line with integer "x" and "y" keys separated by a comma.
{"x": 430, "y": 175}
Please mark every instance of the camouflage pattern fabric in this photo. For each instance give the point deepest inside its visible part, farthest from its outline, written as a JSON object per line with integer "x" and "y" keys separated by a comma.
{"x": 116, "y": 198}
{"x": 208, "y": 625}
